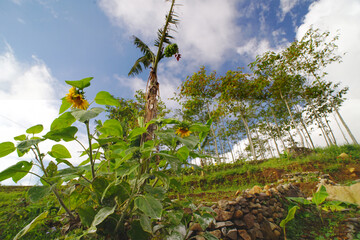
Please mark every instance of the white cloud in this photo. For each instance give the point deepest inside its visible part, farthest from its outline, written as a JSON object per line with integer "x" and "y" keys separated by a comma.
{"x": 333, "y": 16}
{"x": 206, "y": 31}
{"x": 286, "y": 6}
{"x": 29, "y": 95}
{"x": 255, "y": 47}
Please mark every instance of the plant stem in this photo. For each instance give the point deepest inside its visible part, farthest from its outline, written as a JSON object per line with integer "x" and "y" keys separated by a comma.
{"x": 90, "y": 150}
{"x": 61, "y": 202}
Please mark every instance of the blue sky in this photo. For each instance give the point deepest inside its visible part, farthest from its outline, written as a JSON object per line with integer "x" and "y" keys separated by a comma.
{"x": 44, "y": 42}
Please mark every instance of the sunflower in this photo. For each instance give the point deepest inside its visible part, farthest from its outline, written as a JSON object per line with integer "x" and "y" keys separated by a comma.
{"x": 183, "y": 131}
{"x": 76, "y": 99}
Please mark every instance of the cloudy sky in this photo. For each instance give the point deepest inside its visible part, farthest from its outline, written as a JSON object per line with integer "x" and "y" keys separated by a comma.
{"x": 44, "y": 42}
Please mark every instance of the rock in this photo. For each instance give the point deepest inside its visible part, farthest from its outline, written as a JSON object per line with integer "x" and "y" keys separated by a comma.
{"x": 255, "y": 189}
{"x": 249, "y": 220}
{"x": 267, "y": 231}
{"x": 232, "y": 234}
{"x": 238, "y": 214}
{"x": 273, "y": 226}
{"x": 255, "y": 233}
{"x": 222, "y": 215}
{"x": 200, "y": 238}
{"x": 343, "y": 156}
{"x": 195, "y": 227}
{"x": 223, "y": 204}
{"x": 216, "y": 233}
{"x": 277, "y": 233}
{"x": 223, "y": 224}
{"x": 224, "y": 231}
{"x": 260, "y": 217}
{"x": 240, "y": 223}
{"x": 244, "y": 234}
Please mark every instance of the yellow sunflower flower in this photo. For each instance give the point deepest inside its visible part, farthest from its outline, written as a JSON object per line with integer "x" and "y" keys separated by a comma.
{"x": 183, "y": 132}
{"x": 76, "y": 99}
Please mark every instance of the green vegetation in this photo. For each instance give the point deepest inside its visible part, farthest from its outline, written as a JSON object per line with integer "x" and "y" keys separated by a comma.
{"x": 204, "y": 185}
{"x": 137, "y": 162}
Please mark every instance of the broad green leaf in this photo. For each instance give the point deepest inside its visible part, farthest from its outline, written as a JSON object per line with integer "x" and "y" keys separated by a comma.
{"x": 59, "y": 151}
{"x": 20, "y": 154}
{"x": 87, "y": 214}
{"x": 183, "y": 153}
{"x": 149, "y": 205}
{"x": 145, "y": 223}
{"x": 204, "y": 220}
{"x": 99, "y": 185}
{"x": 85, "y": 115}
{"x": 190, "y": 142}
{"x": 102, "y": 215}
{"x": 174, "y": 162}
{"x": 59, "y": 160}
{"x": 320, "y": 196}
{"x": 63, "y": 121}
{"x": 289, "y": 217}
{"x": 199, "y": 128}
{"x": 300, "y": 200}
{"x": 24, "y": 171}
{"x": 112, "y": 127}
{"x": 6, "y": 148}
{"x": 163, "y": 177}
{"x": 81, "y": 84}
{"x": 36, "y": 193}
{"x": 333, "y": 205}
{"x": 175, "y": 217}
{"x": 67, "y": 134}
{"x": 31, "y": 225}
{"x": 209, "y": 236}
{"x": 105, "y": 98}
{"x": 51, "y": 169}
{"x": 83, "y": 163}
{"x": 136, "y": 231}
{"x": 27, "y": 144}
{"x": 136, "y": 132}
{"x": 65, "y": 105}
{"x": 20, "y": 137}
{"x": 35, "y": 129}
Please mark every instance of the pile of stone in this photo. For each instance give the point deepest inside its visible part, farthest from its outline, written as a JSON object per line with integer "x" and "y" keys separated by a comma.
{"x": 306, "y": 177}
{"x": 255, "y": 214}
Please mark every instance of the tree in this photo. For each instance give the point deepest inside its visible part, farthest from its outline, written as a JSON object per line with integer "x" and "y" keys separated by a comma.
{"x": 150, "y": 59}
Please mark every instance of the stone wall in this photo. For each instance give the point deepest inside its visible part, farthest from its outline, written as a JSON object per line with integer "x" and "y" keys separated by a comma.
{"x": 255, "y": 214}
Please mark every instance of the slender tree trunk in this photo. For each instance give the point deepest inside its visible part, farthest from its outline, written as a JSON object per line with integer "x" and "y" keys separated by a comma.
{"x": 293, "y": 143}
{"x": 293, "y": 120}
{"x": 342, "y": 132}
{"x": 272, "y": 136}
{"x": 278, "y": 129}
{"x": 270, "y": 149}
{"x": 305, "y": 128}
{"x": 228, "y": 143}
{"x": 345, "y": 125}
{"x": 323, "y": 132}
{"x": 330, "y": 129}
{"x": 321, "y": 125}
{"x": 248, "y": 133}
{"x": 338, "y": 114}
{"x": 214, "y": 136}
{"x": 262, "y": 150}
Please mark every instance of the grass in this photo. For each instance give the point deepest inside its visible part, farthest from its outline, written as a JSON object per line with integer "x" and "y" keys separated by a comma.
{"x": 16, "y": 212}
{"x": 230, "y": 176}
